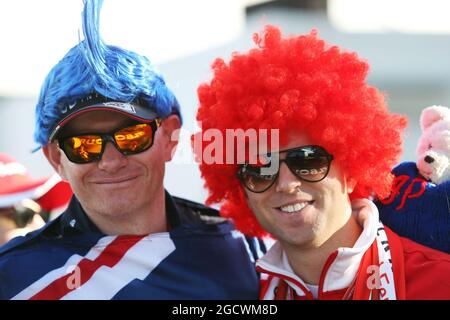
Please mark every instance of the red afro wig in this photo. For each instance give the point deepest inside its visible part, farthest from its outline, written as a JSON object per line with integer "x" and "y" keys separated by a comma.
{"x": 299, "y": 83}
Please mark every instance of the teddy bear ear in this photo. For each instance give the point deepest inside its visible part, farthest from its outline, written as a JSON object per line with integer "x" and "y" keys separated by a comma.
{"x": 433, "y": 114}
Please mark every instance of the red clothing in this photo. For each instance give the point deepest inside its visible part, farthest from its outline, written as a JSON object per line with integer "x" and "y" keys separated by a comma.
{"x": 427, "y": 271}
{"x": 418, "y": 272}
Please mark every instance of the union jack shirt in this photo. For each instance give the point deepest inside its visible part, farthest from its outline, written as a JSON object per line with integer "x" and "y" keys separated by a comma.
{"x": 201, "y": 257}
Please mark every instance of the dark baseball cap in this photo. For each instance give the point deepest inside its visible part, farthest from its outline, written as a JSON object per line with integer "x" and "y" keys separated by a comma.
{"x": 137, "y": 109}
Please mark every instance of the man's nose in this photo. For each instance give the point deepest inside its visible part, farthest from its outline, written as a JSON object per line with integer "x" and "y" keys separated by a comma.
{"x": 112, "y": 159}
{"x": 287, "y": 181}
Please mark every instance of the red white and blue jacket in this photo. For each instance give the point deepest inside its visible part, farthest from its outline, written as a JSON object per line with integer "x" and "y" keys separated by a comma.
{"x": 201, "y": 257}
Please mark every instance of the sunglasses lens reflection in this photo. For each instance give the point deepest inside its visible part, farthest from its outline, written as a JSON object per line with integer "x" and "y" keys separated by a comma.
{"x": 134, "y": 139}
{"x": 309, "y": 169}
{"x": 309, "y": 163}
{"x": 255, "y": 181}
{"x": 88, "y": 148}
{"x": 83, "y": 148}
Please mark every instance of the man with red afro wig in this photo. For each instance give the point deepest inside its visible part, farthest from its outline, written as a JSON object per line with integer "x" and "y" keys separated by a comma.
{"x": 337, "y": 145}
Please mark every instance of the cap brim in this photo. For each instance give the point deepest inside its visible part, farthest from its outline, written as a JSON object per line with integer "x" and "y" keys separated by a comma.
{"x": 16, "y": 190}
{"x": 54, "y": 193}
{"x": 131, "y": 110}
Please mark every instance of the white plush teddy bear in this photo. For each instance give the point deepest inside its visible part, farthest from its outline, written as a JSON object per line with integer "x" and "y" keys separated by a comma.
{"x": 434, "y": 145}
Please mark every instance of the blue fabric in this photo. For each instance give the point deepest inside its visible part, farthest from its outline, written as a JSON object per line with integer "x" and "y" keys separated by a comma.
{"x": 22, "y": 267}
{"x": 208, "y": 263}
{"x": 418, "y": 209}
{"x": 201, "y": 268}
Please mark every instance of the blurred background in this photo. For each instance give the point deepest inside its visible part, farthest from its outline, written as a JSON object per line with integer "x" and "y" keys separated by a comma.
{"x": 407, "y": 43}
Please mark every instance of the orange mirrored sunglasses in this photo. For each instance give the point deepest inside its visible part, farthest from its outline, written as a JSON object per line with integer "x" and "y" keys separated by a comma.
{"x": 89, "y": 147}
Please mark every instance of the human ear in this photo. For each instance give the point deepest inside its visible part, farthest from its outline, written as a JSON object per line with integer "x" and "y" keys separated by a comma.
{"x": 53, "y": 155}
{"x": 351, "y": 184}
{"x": 171, "y": 130}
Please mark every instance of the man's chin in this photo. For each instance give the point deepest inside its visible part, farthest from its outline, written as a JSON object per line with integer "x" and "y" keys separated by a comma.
{"x": 298, "y": 237}
{"x": 117, "y": 209}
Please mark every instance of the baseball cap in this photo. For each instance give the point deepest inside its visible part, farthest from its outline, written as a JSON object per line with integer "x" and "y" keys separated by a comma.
{"x": 136, "y": 109}
{"x": 16, "y": 183}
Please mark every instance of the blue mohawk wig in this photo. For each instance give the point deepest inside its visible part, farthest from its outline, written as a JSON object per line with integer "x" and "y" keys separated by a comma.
{"x": 94, "y": 67}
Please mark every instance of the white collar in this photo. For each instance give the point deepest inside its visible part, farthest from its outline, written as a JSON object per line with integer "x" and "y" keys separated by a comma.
{"x": 344, "y": 267}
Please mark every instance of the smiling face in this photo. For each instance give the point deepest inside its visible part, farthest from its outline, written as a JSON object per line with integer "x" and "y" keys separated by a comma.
{"x": 117, "y": 186}
{"x": 300, "y": 213}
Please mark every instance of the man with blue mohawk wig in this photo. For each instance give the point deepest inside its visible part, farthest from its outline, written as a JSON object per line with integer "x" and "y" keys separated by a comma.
{"x": 105, "y": 121}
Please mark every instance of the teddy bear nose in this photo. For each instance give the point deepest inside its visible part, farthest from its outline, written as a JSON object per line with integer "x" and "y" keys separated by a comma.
{"x": 429, "y": 159}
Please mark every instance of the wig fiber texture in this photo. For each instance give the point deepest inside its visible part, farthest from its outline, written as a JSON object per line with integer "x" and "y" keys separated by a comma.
{"x": 302, "y": 84}
{"x": 93, "y": 66}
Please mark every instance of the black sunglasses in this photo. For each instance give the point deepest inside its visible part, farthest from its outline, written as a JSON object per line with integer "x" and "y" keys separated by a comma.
{"x": 89, "y": 147}
{"x": 309, "y": 163}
